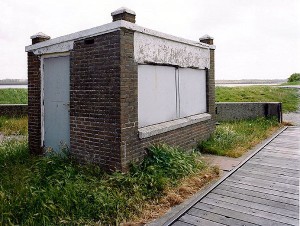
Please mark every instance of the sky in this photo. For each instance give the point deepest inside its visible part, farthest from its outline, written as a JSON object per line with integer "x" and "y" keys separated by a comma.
{"x": 255, "y": 39}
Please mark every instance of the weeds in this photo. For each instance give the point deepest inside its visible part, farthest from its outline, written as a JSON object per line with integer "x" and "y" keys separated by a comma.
{"x": 235, "y": 138}
{"x": 14, "y": 125}
{"x": 54, "y": 190}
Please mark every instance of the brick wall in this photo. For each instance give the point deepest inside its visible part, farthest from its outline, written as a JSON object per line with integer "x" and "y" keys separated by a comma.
{"x": 12, "y": 110}
{"x": 34, "y": 103}
{"x": 132, "y": 147}
{"x": 95, "y": 101}
{"x": 104, "y": 104}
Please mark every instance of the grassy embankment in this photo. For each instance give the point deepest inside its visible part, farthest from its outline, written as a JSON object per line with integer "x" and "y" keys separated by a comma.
{"x": 288, "y": 97}
{"x": 15, "y": 125}
{"x": 57, "y": 191}
{"x": 235, "y": 138}
{"x": 13, "y": 96}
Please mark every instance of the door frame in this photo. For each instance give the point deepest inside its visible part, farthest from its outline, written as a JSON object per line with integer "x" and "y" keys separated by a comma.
{"x": 51, "y": 55}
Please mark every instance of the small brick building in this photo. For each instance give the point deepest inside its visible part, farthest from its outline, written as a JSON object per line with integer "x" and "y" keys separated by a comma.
{"x": 111, "y": 91}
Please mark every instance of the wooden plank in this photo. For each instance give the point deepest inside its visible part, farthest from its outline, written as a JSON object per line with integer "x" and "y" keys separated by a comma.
{"x": 195, "y": 220}
{"x": 290, "y": 137}
{"x": 218, "y": 218}
{"x": 278, "y": 155}
{"x": 284, "y": 146}
{"x": 252, "y": 211}
{"x": 257, "y": 194}
{"x": 277, "y": 161}
{"x": 288, "y": 165}
{"x": 260, "y": 189}
{"x": 284, "y": 142}
{"x": 271, "y": 185}
{"x": 236, "y": 214}
{"x": 271, "y": 173}
{"x": 180, "y": 223}
{"x": 273, "y": 169}
{"x": 253, "y": 199}
{"x": 279, "y": 165}
{"x": 278, "y": 148}
{"x": 269, "y": 177}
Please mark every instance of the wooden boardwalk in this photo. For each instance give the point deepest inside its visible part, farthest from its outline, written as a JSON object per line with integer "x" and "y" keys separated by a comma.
{"x": 263, "y": 191}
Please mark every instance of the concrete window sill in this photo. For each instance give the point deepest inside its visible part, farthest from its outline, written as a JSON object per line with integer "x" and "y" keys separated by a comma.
{"x": 156, "y": 129}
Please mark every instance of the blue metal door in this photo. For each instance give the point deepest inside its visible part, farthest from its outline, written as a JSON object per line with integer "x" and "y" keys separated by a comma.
{"x": 56, "y": 102}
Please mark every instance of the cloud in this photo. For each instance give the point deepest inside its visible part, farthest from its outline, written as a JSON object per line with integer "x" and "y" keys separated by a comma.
{"x": 255, "y": 39}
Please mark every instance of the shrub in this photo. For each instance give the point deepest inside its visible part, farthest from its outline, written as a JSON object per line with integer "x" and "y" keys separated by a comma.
{"x": 294, "y": 77}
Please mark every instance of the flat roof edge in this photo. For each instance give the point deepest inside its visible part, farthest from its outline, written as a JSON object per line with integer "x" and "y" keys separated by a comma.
{"x": 110, "y": 27}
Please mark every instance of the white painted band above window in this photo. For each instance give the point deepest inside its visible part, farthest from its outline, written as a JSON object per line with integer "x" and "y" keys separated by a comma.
{"x": 156, "y": 129}
{"x": 158, "y": 50}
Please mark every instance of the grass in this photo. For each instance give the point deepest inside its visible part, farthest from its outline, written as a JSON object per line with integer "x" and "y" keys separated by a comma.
{"x": 13, "y": 96}
{"x": 234, "y": 138}
{"x": 288, "y": 97}
{"x": 54, "y": 190}
{"x": 291, "y": 83}
{"x": 13, "y": 125}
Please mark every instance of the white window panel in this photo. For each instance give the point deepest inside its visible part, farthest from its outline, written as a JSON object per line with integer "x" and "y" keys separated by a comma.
{"x": 192, "y": 92}
{"x": 156, "y": 94}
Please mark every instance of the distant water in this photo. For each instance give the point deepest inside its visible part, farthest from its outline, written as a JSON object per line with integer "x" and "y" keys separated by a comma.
{"x": 236, "y": 84}
{"x": 13, "y": 86}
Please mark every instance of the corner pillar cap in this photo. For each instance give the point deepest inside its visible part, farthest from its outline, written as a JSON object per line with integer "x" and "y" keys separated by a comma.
{"x": 205, "y": 37}
{"x": 40, "y": 35}
{"x": 123, "y": 10}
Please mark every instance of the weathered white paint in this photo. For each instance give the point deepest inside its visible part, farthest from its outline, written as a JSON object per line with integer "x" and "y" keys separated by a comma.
{"x": 156, "y": 94}
{"x": 151, "y": 49}
{"x": 192, "y": 92}
{"x": 58, "y": 48}
{"x": 123, "y": 10}
{"x": 110, "y": 27}
{"x": 172, "y": 125}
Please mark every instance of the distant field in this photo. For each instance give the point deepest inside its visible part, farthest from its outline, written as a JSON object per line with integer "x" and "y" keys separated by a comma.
{"x": 13, "y": 96}
{"x": 288, "y": 97}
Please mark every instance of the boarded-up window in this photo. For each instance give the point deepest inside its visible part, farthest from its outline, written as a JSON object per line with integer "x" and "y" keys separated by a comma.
{"x": 166, "y": 93}
{"x": 192, "y": 92}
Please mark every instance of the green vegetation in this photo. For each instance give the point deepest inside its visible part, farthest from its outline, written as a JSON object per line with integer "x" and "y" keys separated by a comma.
{"x": 288, "y": 97}
{"x": 290, "y": 83}
{"x": 54, "y": 190}
{"x": 294, "y": 77}
{"x": 13, "y": 96}
{"x": 234, "y": 138}
{"x": 14, "y": 125}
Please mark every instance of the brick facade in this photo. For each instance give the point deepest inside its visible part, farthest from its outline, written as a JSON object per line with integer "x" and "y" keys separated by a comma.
{"x": 132, "y": 147}
{"x": 95, "y": 100}
{"x": 34, "y": 103}
{"x": 104, "y": 103}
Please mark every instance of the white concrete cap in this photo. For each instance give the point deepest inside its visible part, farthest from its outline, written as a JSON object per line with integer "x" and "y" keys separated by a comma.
{"x": 122, "y": 10}
{"x": 40, "y": 35}
{"x": 204, "y": 37}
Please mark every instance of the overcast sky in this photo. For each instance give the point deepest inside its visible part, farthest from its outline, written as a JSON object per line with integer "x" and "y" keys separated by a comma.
{"x": 257, "y": 39}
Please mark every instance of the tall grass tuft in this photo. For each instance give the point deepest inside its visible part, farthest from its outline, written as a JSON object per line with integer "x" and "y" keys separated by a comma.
{"x": 54, "y": 190}
{"x": 14, "y": 125}
{"x": 236, "y": 137}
